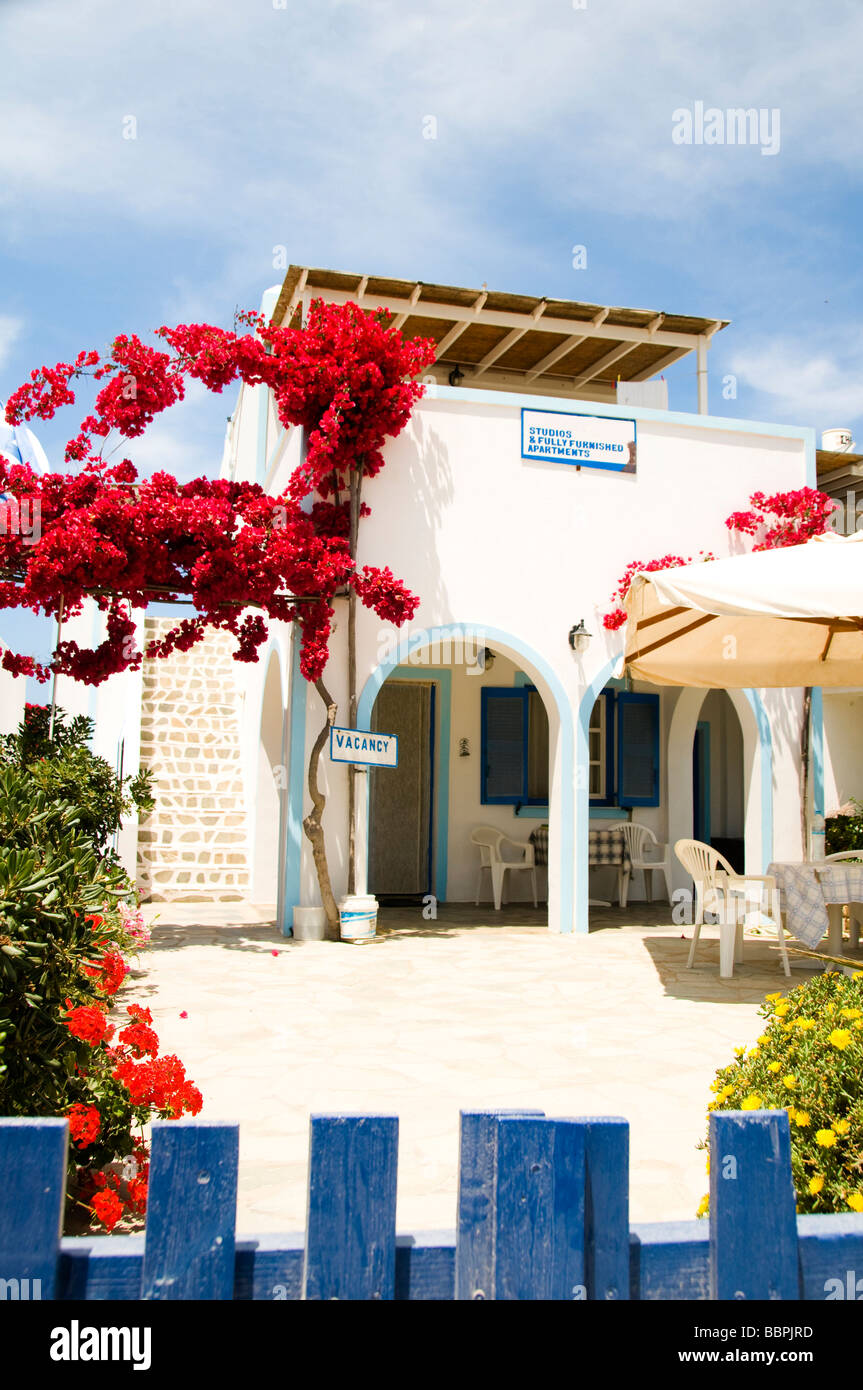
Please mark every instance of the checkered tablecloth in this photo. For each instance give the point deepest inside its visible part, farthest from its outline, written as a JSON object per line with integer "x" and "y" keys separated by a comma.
{"x": 605, "y": 846}
{"x": 806, "y": 889}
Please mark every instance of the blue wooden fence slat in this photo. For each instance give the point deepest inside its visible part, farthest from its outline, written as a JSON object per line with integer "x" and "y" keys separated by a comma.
{"x": 32, "y": 1196}
{"x": 351, "y": 1228}
{"x": 669, "y": 1260}
{"x": 539, "y": 1210}
{"x": 475, "y": 1227}
{"x": 191, "y": 1211}
{"x": 607, "y": 1207}
{"x": 831, "y": 1256}
{"x": 753, "y": 1224}
{"x": 542, "y": 1209}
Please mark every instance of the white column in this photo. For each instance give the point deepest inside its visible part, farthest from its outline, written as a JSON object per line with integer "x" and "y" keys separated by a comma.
{"x": 701, "y": 357}
{"x": 361, "y": 828}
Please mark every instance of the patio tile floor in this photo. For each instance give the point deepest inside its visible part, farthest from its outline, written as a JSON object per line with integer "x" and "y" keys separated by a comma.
{"x": 476, "y": 1009}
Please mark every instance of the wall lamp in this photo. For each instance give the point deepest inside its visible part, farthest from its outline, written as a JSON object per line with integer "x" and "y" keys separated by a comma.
{"x": 579, "y": 637}
{"x": 456, "y": 376}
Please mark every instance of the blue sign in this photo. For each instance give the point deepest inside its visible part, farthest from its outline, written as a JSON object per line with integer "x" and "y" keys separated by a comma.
{"x": 362, "y": 746}
{"x": 587, "y": 441}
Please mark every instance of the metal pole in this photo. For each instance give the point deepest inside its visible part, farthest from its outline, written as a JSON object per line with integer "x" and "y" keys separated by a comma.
{"x": 54, "y": 681}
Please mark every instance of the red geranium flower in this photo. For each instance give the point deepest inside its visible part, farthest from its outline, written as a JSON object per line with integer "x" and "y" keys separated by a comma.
{"x": 108, "y": 1208}
{"x": 85, "y": 1124}
{"x": 88, "y": 1023}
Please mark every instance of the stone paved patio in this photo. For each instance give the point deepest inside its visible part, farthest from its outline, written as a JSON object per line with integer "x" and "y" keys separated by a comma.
{"x": 474, "y": 1010}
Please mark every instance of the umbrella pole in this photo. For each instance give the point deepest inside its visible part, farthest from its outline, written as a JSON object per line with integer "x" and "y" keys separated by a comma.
{"x": 54, "y": 681}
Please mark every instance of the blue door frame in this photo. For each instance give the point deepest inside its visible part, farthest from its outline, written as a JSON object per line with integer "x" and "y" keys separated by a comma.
{"x": 701, "y": 782}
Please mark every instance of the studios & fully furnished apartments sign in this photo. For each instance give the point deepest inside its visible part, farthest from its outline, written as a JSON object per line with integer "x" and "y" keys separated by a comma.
{"x": 587, "y": 441}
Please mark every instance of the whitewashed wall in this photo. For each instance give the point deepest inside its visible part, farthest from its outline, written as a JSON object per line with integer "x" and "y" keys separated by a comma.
{"x": 843, "y": 739}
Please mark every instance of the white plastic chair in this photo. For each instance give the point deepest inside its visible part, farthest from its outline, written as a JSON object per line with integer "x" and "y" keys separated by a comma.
{"x": 717, "y": 888}
{"x": 855, "y": 910}
{"x": 637, "y": 839}
{"x": 489, "y": 842}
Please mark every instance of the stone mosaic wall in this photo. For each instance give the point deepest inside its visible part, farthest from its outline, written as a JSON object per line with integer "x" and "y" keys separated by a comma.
{"x": 195, "y": 846}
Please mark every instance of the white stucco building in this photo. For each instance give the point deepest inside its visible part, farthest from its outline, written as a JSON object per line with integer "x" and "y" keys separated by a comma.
{"x": 509, "y": 545}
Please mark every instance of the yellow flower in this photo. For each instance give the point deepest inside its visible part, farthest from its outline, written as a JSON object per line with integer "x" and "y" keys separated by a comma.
{"x": 754, "y": 1052}
{"x": 802, "y": 1118}
{"x": 774, "y": 1066}
{"x": 789, "y": 1081}
{"x": 704, "y": 1205}
{"x": 841, "y": 1126}
{"x": 786, "y": 1027}
{"x": 804, "y": 1024}
{"x": 855, "y": 1201}
{"x": 707, "y": 1164}
{"x": 840, "y": 1037}
{"x": 858, "y": 1024}
{"x": 739, "y": 1051}
{"x": 781, "y": 1010}
{"x": 825, "y": 1138}
{"x": 816, "y": 1184}
{"x": 851, "y": 1013}
{"x": 751, "y": 1102}
{"x": 771, "y": 998}
{"x": 765, "y": 1038}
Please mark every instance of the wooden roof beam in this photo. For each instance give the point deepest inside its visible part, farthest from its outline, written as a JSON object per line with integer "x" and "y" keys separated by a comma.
{"x": 607, "y": 361}
{"x": 506, "y": 343}
{"x": 506, "y": 318}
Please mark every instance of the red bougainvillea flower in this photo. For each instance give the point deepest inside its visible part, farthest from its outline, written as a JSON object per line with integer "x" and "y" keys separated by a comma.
{"x": 108, "y": 1208}
{"x": 85, "y": 1124}
{"x": 88, "y": 1023}
{"x": 345, "y": 376}
{"x": 784, "y": 518}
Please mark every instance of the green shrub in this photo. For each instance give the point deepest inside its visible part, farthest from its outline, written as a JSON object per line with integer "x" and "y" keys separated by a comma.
{"x": 844, "y": 832}
{"x": 68, "y": 919}
{"x": 809, "y": 1061}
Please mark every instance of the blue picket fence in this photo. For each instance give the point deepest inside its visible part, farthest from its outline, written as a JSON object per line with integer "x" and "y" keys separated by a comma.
{"x": 543, "y": 1213}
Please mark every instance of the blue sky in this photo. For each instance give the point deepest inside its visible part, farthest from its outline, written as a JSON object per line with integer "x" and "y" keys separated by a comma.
{"x": 261, "y": 124}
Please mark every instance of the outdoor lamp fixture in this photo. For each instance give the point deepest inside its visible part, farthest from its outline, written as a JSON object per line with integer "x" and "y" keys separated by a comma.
{"x": 487, "y": 659}
{"x": 456, "y": 376}
{"x": 579, "y": 637}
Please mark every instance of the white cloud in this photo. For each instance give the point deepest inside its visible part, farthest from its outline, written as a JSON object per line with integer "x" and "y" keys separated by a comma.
{"x": 805, "y": 382}
{"x": 10, "y": 330}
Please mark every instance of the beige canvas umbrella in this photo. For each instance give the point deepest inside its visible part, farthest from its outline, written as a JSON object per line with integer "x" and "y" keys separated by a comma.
{"x": 789, "y": 617}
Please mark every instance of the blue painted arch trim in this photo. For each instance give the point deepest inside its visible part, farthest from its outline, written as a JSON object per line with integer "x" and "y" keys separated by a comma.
{"x": 460, "y": 631}
{"x": 582, "y": 793}
{"x": 765, "y": 743}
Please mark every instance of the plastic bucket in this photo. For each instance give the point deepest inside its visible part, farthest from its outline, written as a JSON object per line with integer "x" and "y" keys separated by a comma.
{"x": 358, "y": 918}
{"x": 310, "y": 924}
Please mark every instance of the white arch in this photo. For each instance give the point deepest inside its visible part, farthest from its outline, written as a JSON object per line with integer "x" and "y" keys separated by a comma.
{"x": 757, "y": 776}
{"x": 561, "y": 817}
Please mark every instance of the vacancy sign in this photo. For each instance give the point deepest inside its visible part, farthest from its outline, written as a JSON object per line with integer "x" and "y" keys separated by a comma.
{"x": 588, "y": 441}
{"x": 357, "y": 746}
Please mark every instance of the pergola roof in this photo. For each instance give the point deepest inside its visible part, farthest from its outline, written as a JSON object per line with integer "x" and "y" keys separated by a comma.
{"x": 546, "y": 341}
{"x": 838, "y": 471}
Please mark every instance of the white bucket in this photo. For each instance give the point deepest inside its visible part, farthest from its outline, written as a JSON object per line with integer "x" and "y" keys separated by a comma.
{"x": 309, "y": 924}
{"x": 358, "y": 918}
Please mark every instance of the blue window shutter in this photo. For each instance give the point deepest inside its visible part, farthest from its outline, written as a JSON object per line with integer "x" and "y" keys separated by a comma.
{"x": 504, "y": 745}
{"x": 637, "y": 749}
